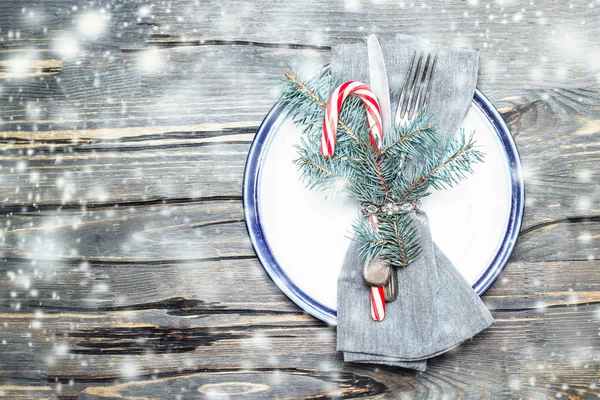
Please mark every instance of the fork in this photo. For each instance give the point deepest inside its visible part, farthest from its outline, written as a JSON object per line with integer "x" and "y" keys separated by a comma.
{"x": 416, "y": 89}
{"x": 414, "y": 95}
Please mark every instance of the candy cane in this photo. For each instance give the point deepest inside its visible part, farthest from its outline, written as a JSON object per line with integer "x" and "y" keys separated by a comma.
{"x": 330, "y": 122}
{"x": 332, "y": 113}
{"x": 377, "y": 292}
{"x": 377, "y": 303}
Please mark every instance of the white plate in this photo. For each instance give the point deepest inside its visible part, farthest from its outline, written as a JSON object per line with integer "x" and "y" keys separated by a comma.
{"x": 301, "y": 237}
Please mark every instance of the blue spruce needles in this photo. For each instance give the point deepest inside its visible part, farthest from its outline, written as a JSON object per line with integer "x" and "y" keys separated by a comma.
{"x": 411, "y": 162}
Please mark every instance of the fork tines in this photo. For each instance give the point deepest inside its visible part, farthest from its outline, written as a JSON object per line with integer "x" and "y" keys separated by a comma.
{"x": 417, "y": 87}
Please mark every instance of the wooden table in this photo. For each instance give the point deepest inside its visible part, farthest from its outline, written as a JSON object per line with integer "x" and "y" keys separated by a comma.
{"x": 126, "y": 268}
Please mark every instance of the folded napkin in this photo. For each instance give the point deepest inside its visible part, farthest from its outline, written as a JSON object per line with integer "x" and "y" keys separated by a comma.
{"x": 436, "y": 308}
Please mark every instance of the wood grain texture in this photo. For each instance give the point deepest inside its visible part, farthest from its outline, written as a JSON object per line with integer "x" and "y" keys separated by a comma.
{"x": 126, "y": 268}
{"x": 543, "y": 44}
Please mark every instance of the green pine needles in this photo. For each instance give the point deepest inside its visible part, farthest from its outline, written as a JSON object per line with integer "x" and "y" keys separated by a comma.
{"x": 410, "y": 163}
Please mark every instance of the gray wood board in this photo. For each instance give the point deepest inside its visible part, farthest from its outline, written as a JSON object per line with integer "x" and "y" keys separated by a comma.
{"x": 537, "y": 44}
{"x": 127, "y": 270}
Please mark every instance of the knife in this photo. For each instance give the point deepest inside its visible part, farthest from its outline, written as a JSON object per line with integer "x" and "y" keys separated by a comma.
{"x": 379, "y": 86}
{"x": 378, "y": 80}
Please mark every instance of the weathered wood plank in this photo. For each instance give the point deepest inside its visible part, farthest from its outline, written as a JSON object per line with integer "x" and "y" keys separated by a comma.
{"x": 547, "y": 44}
{"x": 496, "y": 356}
{"x": 120, "y": 235}
{"x": 291, "y": 383}
{"x": 130, "y": 294}
{"x": 534, "y": 303}
{"x": 121, "y": 175}
{"x": 19, "y": 389}
{"x": 175, "y": 165}
{"x": 555, "y": 134}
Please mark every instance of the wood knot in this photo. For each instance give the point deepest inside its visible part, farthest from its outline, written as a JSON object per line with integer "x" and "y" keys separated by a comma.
{"x": 232, "y": 388}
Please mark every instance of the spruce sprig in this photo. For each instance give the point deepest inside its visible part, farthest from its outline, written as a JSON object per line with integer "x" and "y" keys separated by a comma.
{"x": 396, "y": 239}
{"x": 411, "y": 162}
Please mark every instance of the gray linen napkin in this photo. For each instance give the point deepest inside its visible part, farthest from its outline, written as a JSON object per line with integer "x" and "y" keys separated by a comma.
{"x": 436, "y": 308}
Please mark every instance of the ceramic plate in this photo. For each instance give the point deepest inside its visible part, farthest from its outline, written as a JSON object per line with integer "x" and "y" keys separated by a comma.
{"x": 301, "y": 237}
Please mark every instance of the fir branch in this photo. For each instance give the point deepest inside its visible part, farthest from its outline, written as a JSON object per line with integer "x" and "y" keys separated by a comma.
{"x": 406, "y": 244}
{"x": 449, "y": 168}
{"x": 424, "y": 178}
{"x": 372, "y": 242}
{"x": 412, "y": 139}
{"x": 361, "y": 149}
{"x": 302, "y": 87}
{"x": 371, "y": 187}
{"x": 325, "y": 170}
{"x": 381, "y": 179}
{"x": 408, "y": 137}
{"x": 400, "y": 244}
{"x": 356, "y": 159}
{"x": 396, "y": 239}
{"x": 410, "y": 163}
{"x": 378, "y": 241}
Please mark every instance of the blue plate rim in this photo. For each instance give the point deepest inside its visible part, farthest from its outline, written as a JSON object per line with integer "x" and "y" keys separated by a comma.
{"x": 315, "y": 308}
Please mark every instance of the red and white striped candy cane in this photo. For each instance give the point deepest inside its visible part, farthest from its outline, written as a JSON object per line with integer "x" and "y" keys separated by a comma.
{"x": 332, "y": 113}
{"x": 377, "y": 292}
{"x": 377, "y": 303}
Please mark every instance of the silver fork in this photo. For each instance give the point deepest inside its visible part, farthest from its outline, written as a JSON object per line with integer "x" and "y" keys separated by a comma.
{"x": 414, "y": 95}
{"x": 416, "y": 89}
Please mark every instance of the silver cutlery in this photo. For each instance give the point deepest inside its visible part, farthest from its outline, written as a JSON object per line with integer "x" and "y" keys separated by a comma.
{"x": 416, "y": 89}
{"x": 378, "y": 80}
{"x": 391, "y": 288}
{"x": 377, "y": 273}
{"x": 413, "y": 96}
